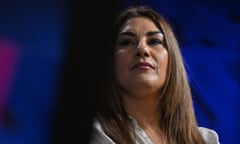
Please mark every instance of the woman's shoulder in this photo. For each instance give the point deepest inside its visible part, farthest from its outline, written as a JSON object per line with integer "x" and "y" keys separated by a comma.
{"x": 210, "y": 136}
{"x": 97, "y": 134}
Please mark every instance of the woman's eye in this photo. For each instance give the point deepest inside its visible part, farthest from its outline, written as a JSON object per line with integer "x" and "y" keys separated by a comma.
{"x": 126, "y": 43}
{"x": 154, "y": 42}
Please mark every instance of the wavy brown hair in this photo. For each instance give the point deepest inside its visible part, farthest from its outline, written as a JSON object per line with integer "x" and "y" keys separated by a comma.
{"x": 178, "y": 121}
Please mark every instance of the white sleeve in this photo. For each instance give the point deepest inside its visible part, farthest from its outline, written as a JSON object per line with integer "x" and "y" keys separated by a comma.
{"x": 98, "y": 136}
{"x": 210, "y": 136}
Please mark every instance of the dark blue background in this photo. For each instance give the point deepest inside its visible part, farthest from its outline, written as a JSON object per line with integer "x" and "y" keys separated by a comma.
{"x": 208, "y": 33}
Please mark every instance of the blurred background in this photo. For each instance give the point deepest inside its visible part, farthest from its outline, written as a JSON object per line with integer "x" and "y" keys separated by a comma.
{"x": 32, "y": 44}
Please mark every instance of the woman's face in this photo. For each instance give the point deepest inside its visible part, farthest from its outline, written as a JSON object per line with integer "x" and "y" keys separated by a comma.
{"x": 140, "y": 56}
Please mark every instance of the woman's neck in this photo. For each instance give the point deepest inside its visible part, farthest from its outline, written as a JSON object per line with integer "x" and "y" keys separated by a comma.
{"x": 146, "y": 112}
{"x": 144, "y": 109}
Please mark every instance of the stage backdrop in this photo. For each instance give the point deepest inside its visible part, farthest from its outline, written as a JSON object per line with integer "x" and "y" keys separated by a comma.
{"x": 32, "y": 34}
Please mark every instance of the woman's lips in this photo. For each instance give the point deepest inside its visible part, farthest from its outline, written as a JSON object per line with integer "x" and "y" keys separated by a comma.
{"x": 142, "y": 65}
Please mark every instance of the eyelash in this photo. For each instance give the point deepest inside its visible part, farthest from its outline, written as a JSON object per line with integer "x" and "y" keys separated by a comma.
{"x": 154, "y": 42}
{"x": 128, "y": 42}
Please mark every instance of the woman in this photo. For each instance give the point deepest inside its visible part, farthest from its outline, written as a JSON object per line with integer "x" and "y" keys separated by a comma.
{"x": 148, "y": 99}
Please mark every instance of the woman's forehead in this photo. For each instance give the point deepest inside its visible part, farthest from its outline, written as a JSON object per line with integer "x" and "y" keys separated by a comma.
{"x": 138, "y": 23}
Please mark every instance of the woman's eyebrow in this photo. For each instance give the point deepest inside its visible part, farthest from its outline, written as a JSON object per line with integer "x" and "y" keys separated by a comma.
{"x": 150, "y": 33}
{"x": 155, "y": 33}
{"x": 128, "y": 33}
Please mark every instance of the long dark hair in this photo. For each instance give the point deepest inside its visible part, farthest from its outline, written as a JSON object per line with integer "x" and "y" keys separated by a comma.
{"x": 178, "y": 120}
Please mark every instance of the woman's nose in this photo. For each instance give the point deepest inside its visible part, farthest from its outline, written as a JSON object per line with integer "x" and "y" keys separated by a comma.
{"x": 142, "y": 50}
